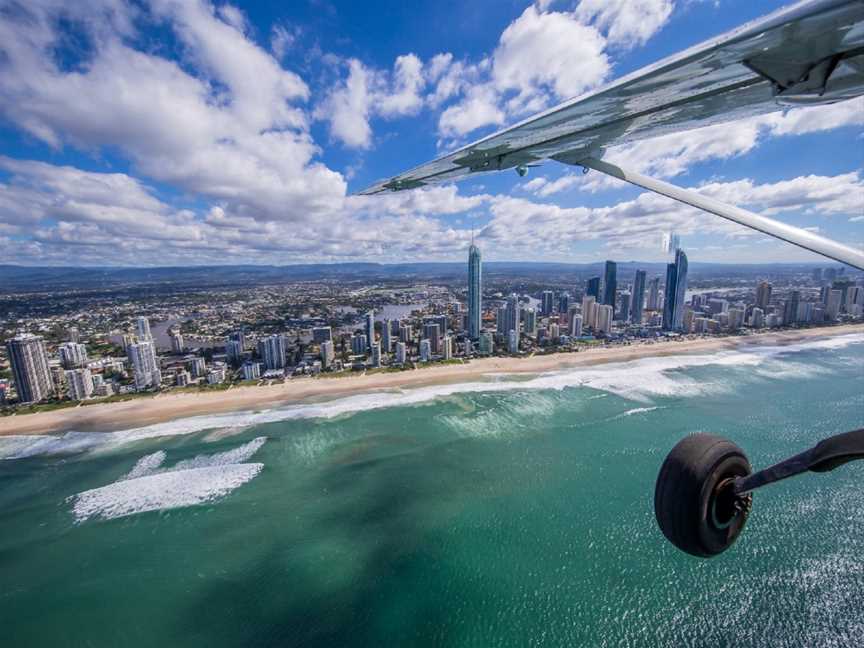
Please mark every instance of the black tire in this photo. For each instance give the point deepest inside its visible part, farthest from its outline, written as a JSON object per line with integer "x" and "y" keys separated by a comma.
{"x": 693, "y": 501}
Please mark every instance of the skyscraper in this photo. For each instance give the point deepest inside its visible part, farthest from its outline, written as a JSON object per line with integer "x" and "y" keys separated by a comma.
{"x": 592, "y": 288}
{"x": 676, "y": 288}
{"x": 475, "y": 292}
{"x": 432, "y": 332}
{"x": 546, "y": 302}
{"x": 589, "y": 304}
{"x": 576, "y": 326}
{"x": 514, "y": 314}
{"x": 638, "y": 299}
{"x": 763, "y": 295}
{"x": 30, "y": 368}
{"x": 328, "y": 353}
{"x": 790, "y": 308}
{"x": 529, "y": 321}
{"x": 610, "y": 286}
{"x": 272, "y": 352}
{"x": 387, "y": 336}
{"x": 177, "y": 343}
{"x": 563, "y": 303}
{"x": 654, "y": 294}
{"x": 370, "y": 329}
{"x": 143, "y": 326}
{"x": 145, "y": 364}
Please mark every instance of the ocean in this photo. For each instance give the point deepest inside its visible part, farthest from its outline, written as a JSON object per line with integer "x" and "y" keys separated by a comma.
{"x": 515, "y": 511}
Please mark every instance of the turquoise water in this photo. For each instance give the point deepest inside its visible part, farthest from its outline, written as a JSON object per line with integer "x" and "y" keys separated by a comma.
{"x": 496, "y": 514}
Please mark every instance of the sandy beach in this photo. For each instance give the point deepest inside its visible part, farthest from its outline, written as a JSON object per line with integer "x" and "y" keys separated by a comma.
{"x": 168, "y": 406}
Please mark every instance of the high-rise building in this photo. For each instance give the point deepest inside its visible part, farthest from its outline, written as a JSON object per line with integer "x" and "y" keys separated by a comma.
{"x": 387, "y": 336}
{"x": 563, "y": 303}
{"x": 624, "y": 300}
{"x": 610, "y": 286}
{"x": 401, "y": 353}
{"x": 654, "y": 294}
{"x": 145, "y": 364}
{"x": 475, "y": 292}
{"x": 432, "y": 332}
{"x": 513, "y": 341}
{"x": 790, "y": 308}
{"x": 487, "y": 343}
{"x": 198, "y": 367}
{"x": 322, "y": 334}
{"x": 638, "y": 298}
{"x": 425, "y": 351}
{"x": 763, "y": 295}
{"x": 447, "y": 347}
{"x": 73, "y": 355}
{"x": 592, "y": 288}
{"x": 252, "y": 370}
{"x": 143, "y": 327}
{"x": 604, "y": 319}
{"x": 513, "y": 313}
{"x": 736, "y": 318}
{"x": 30, "y": 368}
{"x": 501, "y": 320}
{"x": 529, "y": 321}
{"x": 73, "y": 335}
{"x": 370, "y": 329}
{"x": 757, "y": 318}
{"x": 589, "y": 304}
{"x": 177, "y": 343}
{"x": 80, "y": 383}
{"x": 576, "y": 326}
{"x": 273, "y": 352}
{"x": 676, "y": 288}
{"x": 405, "y": 333}
{"x": 328, "y": 353}
{"x": 358, "y": 344}
{"x": 832, "y": 306}
{"x": 234, "y": 352}
{"x": 546, "y": 302}
{"x": 376, "y": 355}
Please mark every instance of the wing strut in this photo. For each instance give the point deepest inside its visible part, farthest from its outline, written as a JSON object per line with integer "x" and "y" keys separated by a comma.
{"x": 796, "y": 235}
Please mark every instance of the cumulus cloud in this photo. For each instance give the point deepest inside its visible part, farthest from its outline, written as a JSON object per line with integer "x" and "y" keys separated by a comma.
{"x": 626, "y": 23}
{"x": 367, "y": 92}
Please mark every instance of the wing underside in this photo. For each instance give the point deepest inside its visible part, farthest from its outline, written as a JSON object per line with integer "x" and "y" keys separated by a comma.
{"x": 807, "y": 54}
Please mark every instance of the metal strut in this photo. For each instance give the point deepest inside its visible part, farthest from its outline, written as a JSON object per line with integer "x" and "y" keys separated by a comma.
{"x": 795, "y": 235}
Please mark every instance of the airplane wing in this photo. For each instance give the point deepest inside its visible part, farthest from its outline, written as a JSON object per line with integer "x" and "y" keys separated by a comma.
{"x": 807, "y": 54}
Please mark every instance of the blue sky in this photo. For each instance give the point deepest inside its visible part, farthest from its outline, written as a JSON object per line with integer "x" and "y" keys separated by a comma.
{"x": 161, "y": 132}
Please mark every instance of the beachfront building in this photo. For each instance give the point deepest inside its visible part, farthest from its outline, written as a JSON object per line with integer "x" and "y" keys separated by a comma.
{"x": 30, "y": 371}
{"x": 80, "y": 382}
{"x": 73, "y": 355}
{"x": 475, "y": 292}
{"x": 145, "y": 364}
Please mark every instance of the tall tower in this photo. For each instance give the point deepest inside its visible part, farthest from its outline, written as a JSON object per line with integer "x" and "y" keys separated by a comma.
{"x": 370, "y": 330}
{"x": 676, "y": 288}
{"x": 638, "y": 297}
{"x": 30, "y": 368}
{"x": 475, "y": 292}
{"x": 143, "y": 326}
{"x": 611, "y": 286}
{"x": 763, "y": 295}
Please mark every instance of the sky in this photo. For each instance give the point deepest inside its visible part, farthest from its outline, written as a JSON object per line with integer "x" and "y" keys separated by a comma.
{"x": 185, "y": 132}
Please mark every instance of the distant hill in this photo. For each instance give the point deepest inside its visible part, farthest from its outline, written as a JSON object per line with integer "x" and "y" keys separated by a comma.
{"x": 14, "y": 278}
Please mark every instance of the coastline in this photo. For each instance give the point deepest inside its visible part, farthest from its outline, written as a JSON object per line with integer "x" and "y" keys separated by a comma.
{"x": 166, "y": 407}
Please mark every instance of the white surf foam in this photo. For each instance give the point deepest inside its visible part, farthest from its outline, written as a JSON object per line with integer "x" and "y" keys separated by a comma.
{"x": 638, "y": 380}
{"x": 162, "y": 491}
{"x": 150, "y": 487}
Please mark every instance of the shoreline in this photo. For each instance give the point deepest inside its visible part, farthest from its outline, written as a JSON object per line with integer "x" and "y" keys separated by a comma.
{"x": 167, "y": 407}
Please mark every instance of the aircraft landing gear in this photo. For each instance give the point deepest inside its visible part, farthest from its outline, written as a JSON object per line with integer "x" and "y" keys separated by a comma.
{"x": 703, "y": 492}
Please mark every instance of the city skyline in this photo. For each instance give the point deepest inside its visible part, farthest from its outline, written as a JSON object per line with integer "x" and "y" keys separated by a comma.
{"x": 460, "y": 324}
{"x": 86, "y": 171}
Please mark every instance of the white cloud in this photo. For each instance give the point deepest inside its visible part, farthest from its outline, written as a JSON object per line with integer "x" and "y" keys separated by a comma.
{"x": 549, "y": 52}
{"x": 626, "y": 23}
{"x": 367, "y": 92}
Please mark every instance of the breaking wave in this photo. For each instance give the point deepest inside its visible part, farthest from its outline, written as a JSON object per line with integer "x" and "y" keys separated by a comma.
{"x": 638, "y": 380}
{"x": 150, "y": 487}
